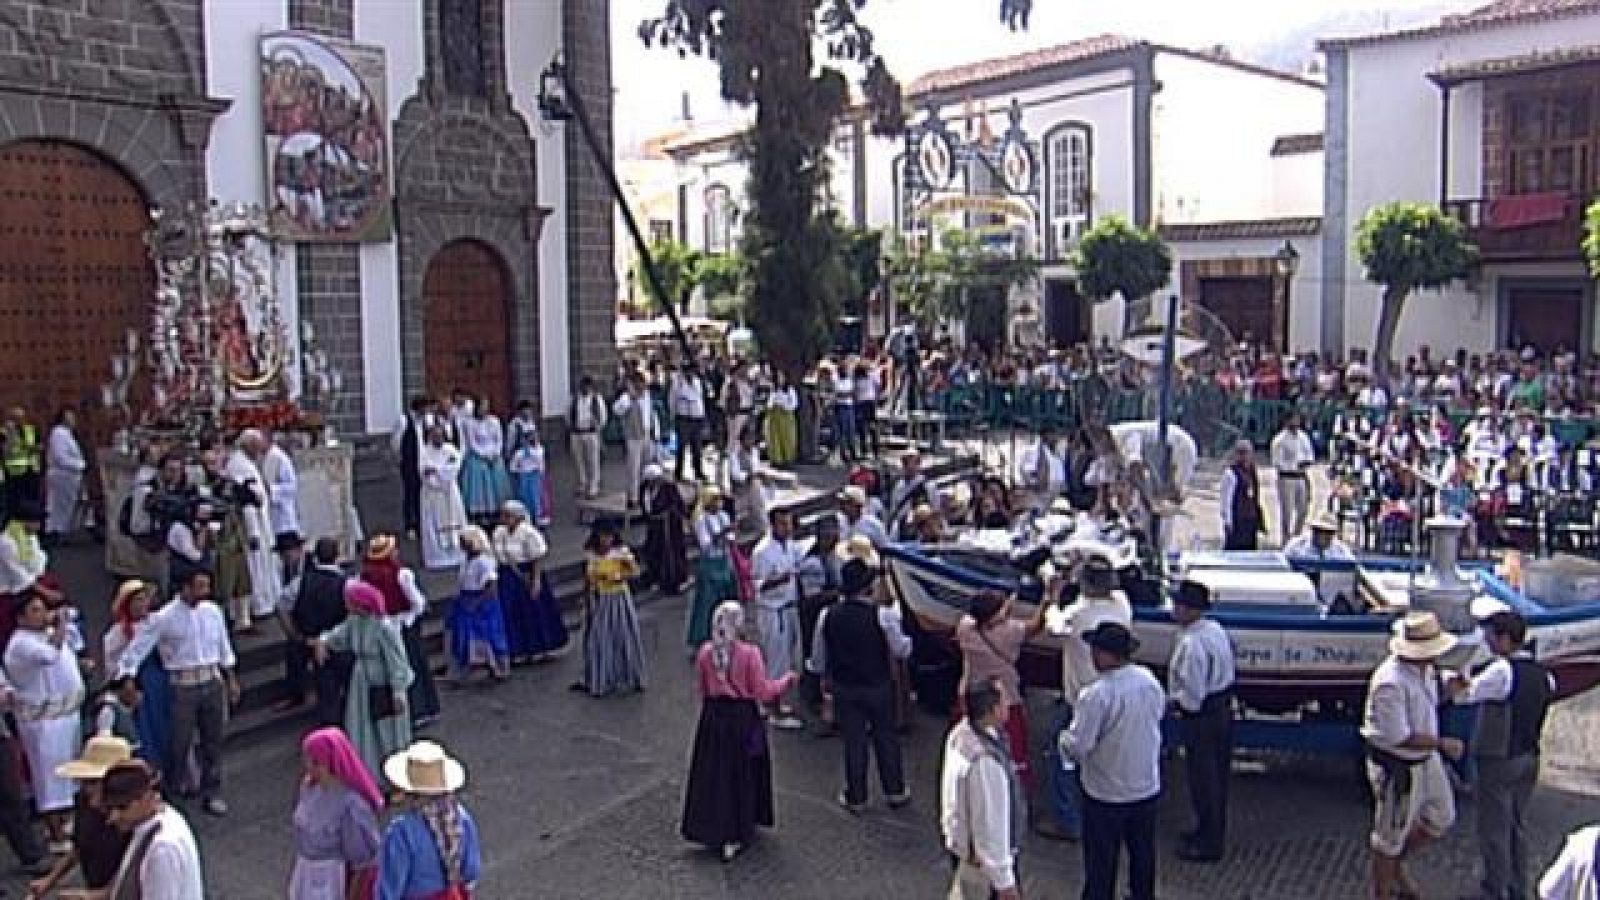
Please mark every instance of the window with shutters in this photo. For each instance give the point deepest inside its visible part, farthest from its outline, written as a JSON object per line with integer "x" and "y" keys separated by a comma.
{"x": 719, "y": 219}
{"x": 1550, "y": 140}
{"x": 1068, "y": 184}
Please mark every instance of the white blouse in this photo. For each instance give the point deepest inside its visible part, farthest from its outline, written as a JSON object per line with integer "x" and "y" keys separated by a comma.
{"x": 484, "y": 437}
{"x": 439, "y": 465}
{"x": 709, "y": 529}
{"x": 519, "y": 546}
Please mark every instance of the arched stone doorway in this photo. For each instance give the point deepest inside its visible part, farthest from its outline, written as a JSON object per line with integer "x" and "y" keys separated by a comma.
{"x": 466, "y": 296}
{"x": 74, "y": 277}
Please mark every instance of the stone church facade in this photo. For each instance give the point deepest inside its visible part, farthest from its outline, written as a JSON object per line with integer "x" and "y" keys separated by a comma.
{"x": 496, "y": 276}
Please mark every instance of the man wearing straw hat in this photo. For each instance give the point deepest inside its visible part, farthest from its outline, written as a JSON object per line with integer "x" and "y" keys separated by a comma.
{"x": 430, "y": 848}
{"x": 97, "y": 847}
{"x": 1413, "y": 799}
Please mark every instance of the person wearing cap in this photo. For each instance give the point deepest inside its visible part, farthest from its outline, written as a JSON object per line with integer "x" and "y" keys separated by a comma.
{"x": 97, "y": 846}
{"x": 613, "y": 653}
{"x": 1514, "y": 693}
{"x": 162, "y": 861}
{"x": 1200, "y": 683}
{"x": 533, "y": 624}
{"x": 666, "y": 553}
{"x": 335, "y": 821}
{"x": 854, "y": 518}
{"x": 982, "y": 802}
{"x": 854, "y": 650}
{"x": 405, "y": 604}
{"x": 1292, "y": 455}
{"x": 1239, "y": 500}
{"x": 1320, "y": 541}
{"x": 130, "y": 611}
{"x": 1093, "y": 602}
{"x": 1115, "y": 738}
{"x": 430, "y": 848}
{"x": 1400, "y": 725}
{"x": 774, "y": 570}
{"x": 193, "y": 637}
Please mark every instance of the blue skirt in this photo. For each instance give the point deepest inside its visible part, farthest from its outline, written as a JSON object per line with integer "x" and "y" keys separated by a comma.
{"x": 533, "y": 620}
{"x": 613, "y": 653}
{"x": 530, "y": 490}
{"x": 484, "y": 485}
{"x": 154, "y": 716}
{"x": 477, "y": 631}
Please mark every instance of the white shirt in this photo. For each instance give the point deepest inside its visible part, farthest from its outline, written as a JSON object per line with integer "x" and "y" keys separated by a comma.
{"x": 1083, "y": 616}
{"x": 844, "y": 390}
{"x": 1225, "y": 491}
{"x": 773, "y": 558}
{"x": 438, "y": 466}
{"x": 414, "y": 595}
{"x": 1115, "y": 735}
{"x": 647, "y": 410}
{"x": 784, "y": 398}
{"x": 1402, "y": 702}
{"x": 519, "y": 546}
{"x": 866, "y": 389}
{"x": 62, "y": 451}
{"x": 589, "y": 414}
{"x": 170, "y": 869}
{"x": 40, "y": 670}
{"x": 709, "y": 530}
{"x": 688, "y": 397}
{"x": 1494, "y": 683}
{"x": 189, "y": 637}
{"x": 1202, "y": 664}
{"x": 182, "y": 541}
{"x": 890, "y": 622}
{"x": 283, "y": 485}
{"x": 1291, "y": 451}
{"x": 1303, "y": 546}
{"x": 484, "y": 437}
{"x": 867, "y": 525}
{"x": 1572, "y": 876}
{"x": 1051, "y": 467}
{"x": 974, "y": 809}
{"x": 242, "y": 470}
{"x": 16, "y": 575}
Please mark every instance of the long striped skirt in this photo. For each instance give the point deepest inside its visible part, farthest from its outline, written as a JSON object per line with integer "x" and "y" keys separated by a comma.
{"x": 613, "y": 653}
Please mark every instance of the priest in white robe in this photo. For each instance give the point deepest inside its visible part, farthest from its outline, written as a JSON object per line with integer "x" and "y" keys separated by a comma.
{"x": 242, "y": 470}
{"x": 283, "y": 488}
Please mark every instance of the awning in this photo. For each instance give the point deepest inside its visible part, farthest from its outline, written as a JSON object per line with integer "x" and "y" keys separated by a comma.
{"x": 1482, "y": 69}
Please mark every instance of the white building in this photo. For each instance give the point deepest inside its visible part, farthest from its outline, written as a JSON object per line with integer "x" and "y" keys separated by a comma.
{"x": 1493, "y": 114}
{"x": 1156, "y": 134}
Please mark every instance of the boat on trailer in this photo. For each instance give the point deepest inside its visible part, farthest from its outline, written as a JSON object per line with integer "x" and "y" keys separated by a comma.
{"x": 1297, "y": 647}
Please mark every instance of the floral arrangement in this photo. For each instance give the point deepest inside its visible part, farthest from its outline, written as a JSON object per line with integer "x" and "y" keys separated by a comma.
{"x": 283, "y": 415}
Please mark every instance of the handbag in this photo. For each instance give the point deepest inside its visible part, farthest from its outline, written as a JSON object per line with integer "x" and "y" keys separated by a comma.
{"x": 381, "y": 702}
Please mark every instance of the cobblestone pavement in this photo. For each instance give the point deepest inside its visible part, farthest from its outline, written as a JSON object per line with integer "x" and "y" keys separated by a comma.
{"x": 580, "y": 798}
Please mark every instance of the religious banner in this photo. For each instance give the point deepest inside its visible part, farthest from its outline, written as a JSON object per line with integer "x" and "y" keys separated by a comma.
{"x": 325, "y": 123}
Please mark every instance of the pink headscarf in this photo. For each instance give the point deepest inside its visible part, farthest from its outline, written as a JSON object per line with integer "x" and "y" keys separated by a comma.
{"x": 363, "y": 598}
{"x": 328, "y": 747}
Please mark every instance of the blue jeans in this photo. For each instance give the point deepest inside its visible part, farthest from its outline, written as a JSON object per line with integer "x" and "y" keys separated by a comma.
{"x": 844, "y": 430}
{"x": 1063, "y": 793}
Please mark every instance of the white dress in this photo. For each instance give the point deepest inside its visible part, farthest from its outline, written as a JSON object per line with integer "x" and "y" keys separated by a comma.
{"x": 64, "y": 465}
{"x": 49, "y": 693}
{"x": 444, "y": 516}
{"x": 263, "y": 562}
{"x": 283, "y": 484}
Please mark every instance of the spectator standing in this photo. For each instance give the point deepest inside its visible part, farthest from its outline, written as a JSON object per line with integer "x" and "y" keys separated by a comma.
{"x": 982, "y": 806}
{"x": 636, "y": 410}
{"x": 866, "y": 407}
{"x": 1292, "y": 456}
{"x": 586, "y": 418}
{"x": 782, "y": 427}
{"x": 688, "y": 393}
{"x": 1202, "y": 674}
{"x": 1240, "y": 500}
{"x": 19, "y": 456}
{"x": 406, "y": 445}
{"x": 64, "y": 468}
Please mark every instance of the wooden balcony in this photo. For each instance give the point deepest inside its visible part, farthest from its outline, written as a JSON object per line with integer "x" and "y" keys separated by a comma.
{"x": 1514, "y": 229}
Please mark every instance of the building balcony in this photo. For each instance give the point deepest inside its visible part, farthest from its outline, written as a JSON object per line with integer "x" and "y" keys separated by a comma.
{"x": 1523, "y": 227}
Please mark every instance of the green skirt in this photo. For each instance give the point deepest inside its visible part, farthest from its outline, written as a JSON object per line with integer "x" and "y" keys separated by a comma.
{"x": 783, "y": 437}
{"x": 713, "y": 585}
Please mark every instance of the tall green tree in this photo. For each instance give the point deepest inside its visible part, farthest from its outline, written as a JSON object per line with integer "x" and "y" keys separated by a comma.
{"x": 766, "y": 53}
{"x": 1406, "y": 247}
{"x": 1117, "y": 257}
{"x": 677, "y": 264}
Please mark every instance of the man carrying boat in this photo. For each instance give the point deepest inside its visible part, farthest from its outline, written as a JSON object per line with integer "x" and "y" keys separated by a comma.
{"x": 1413, "y": 799}
{"x": 1201, "y": 679}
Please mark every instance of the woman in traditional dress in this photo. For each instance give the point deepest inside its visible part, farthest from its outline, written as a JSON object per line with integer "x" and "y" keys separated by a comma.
{"x": 405, "y": 605}
{"x": 991, "y": 642}
{"x": 746, "y": 483}
{"x": 527, "y": 471}
{"x": 63, "y": 478}
{"x": 613, "y": 654}
{"x": 713, "y": 576}
{"x": 476, "y": 619}
{"x": 730, "y": 774}
{"x": 335, "y": 822}
{"x": 97, "y": 845}
{"x": 666, "y": 557}
{"x": 375, "y": 715}
{"x": 130, "y": 608}
{"x": 49, "y": 695}
{"x": 534, "y": 629}
{"x": 783, "y": 443}
{"x": 443, "y": 514}
{"x": 430, "y": 849}
{"x": 484, "y": 485}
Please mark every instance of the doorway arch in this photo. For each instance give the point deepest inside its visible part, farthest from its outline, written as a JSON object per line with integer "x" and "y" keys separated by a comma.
{"x": 466, "y": 298}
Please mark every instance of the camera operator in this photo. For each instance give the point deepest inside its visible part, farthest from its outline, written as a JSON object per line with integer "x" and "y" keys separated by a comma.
{"x": 191, "y": 541}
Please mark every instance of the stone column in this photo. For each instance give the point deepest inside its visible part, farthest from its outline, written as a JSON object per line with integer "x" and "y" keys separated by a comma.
{"x": 592, "y": 280}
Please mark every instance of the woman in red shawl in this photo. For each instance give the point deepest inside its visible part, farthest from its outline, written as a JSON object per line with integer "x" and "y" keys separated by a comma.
{"x": 405, "y": 605}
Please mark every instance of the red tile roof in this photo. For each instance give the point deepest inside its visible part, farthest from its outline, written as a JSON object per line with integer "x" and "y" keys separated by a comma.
{"x": 1017, "y": 64}
{"x": 1512, "y": 65}
{"x": 1303, "y": 226}
{"x": 1493, "y": 15}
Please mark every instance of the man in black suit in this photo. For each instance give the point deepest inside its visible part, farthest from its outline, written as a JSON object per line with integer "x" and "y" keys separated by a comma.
{"x": 313, "y": 607}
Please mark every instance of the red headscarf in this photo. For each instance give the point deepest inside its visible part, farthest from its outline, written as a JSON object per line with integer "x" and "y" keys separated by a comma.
{"x": 383, "y": 573}
{"x": 328, "y": 747}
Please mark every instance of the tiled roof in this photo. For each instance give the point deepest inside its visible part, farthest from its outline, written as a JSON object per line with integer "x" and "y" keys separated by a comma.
{"x": 1017, "y": 64}
{"x": 1511, "y": 65}
{"x": 1252, "y": 228}
{"x": 1296, "y": 144}
{"x": 1494, "y": 15}
{"x": 711, "y": 137}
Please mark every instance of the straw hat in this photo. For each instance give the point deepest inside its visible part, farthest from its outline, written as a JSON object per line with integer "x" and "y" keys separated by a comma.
{"x": 101, "y": 753}
{"x": 859, "y": 547}
{"x": 381, "y": 546}
{"x": 855, "y": 493}
{"x": 129, "y": 588}
{"x": 1418, "y": 637}
{"x": 425, "y": 769}
{"x": 1323, "y": 522}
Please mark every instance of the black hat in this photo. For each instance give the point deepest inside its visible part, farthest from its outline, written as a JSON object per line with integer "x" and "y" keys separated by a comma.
{"x": 288, "y": 540}
{"x": 127, "y": 781}
{"x": 1110, "y": 637}
{"x": 1192, "y": 594}
{"x": 27, "y": 511}
{"x": 856, "y": 577}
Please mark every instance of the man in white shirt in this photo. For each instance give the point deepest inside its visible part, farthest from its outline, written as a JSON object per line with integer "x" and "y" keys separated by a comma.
{"x": 1320, "y": 541}
{"x": 1239, "y": 500}
{"x": 689, "y": 417}
{"x": 1201, "y": 677}
{"x": 774, "y": 565}
{"x": 1116, "y": 740}
{"x": 738, "y": 401}
{"x": 193, "y": 638}
{"x": 981, "y": 805}
{"x": 162, "y": 861}
{"x": 854, "y": 518}
{"x": 1292, "y": 455}
{"x": 1043, "y": 469}
{"x": 637, "y": 411}
{"x": 1413, "y": 799}
{"x": 585, "y": 420}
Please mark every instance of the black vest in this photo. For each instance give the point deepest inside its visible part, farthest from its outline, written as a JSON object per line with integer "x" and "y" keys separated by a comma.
{"x": 320, "y": 605}
{"x": 1510, "y": 728}
{"x": 858, "y": 653}
{"x": 1246, "y": 495}
{"x": 410, "y": 446}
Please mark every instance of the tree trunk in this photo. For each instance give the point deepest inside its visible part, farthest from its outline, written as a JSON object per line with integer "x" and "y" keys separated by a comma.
{"x": 1394, "y": 301}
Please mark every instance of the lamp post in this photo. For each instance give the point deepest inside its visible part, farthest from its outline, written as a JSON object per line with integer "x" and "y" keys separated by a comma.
{"x": 1285, "y": 263}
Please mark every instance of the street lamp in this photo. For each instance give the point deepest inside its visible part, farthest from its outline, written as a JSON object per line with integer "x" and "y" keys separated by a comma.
{"x": 1285, "y": 262}
{"x": 553, "y": 106}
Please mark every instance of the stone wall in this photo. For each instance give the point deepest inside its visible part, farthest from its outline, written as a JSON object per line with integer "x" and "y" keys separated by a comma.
{"x": 590, "y": 207}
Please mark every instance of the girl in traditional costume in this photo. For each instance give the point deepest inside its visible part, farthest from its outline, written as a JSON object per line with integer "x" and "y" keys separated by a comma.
{"x": 613, "y": 653}
{"x": 713, "y": 575}
{"x": 534, "y": 629}
{"x": 476, "y": 620}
